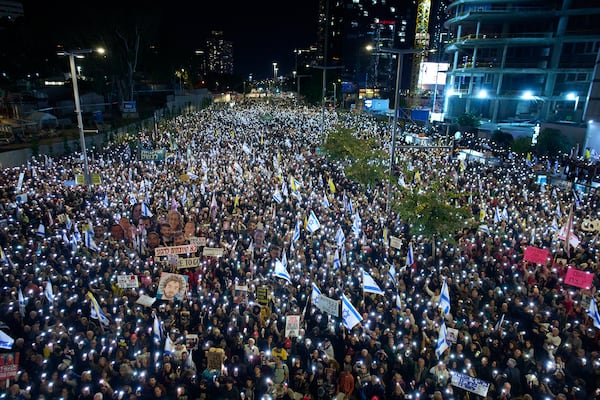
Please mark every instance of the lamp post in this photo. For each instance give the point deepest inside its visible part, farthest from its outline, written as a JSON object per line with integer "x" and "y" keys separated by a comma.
{"x": 399, "y": 58}
{"x": 79, "y": 54}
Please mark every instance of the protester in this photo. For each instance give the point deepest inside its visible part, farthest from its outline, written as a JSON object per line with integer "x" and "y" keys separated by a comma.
{"x": 235, "y": 218}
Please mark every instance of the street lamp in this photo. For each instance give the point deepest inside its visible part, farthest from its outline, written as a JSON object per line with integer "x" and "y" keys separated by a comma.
{"x": 399, "y": 57}
{"x": 573, "y": 96}
{"x": 79, "y": 54}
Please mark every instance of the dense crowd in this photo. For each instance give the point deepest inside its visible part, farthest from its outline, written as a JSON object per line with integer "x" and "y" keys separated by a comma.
{"x": 238, "y": 181}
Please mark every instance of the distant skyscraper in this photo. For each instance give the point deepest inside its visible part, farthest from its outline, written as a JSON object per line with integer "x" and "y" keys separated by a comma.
{"x": 11, "y": 9}
{"x": 219, "y": 54}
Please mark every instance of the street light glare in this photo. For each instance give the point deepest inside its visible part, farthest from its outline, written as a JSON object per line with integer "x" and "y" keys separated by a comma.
{"x": 100, "y": 50}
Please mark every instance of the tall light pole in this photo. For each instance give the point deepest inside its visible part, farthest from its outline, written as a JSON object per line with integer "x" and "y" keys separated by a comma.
{"x": 399, "y": 58}
{"x": 79, "y": 54}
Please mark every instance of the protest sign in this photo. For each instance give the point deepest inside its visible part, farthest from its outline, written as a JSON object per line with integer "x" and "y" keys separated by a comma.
{"x": 188, "y": 262}
{"x": 395, "y": 242}
{"x": 469, "y": 383}
{"x": 536, "y": 255}
{"x": 292, "y": 326}
{"x": 328, "y": 305}
{"x": 127, "y": 281}
{"x": 212, "y": 252}
{"x": 165, "y": 251}
{"x": 262, "y": 295}
{"x": 579, "y": 278}
{"x": 9, "y": 365}
{"x": 214, "y": 358}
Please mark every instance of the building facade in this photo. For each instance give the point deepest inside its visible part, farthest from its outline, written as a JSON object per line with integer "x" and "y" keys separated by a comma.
{"x": 527, "y": 60}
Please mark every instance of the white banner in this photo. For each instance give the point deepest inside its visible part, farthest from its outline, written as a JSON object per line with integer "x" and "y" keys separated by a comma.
{"x": 469, "y": 383}
{"x": 127, "y": 281}
{"x": 185, "y": 249}
{"x": 188, "y": 262}
{"x": 395, "y": 242}
{"x": 212, "y": 252}
{"x": 198, "y": 241}
{"x": 325, "y": 304}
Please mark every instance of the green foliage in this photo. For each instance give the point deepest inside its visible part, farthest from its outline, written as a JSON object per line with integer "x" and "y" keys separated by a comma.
{"x": 468, "y": 121}
{"x": 502, "y": 139}
{"x": 433, "y": 212}
{"x": 552, "y": 142}
{"x": 521, "y": 145}
{"x": 364, "y": 162}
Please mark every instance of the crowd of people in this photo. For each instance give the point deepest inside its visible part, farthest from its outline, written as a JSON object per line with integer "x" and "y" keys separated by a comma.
{"x": 97, "y": 312}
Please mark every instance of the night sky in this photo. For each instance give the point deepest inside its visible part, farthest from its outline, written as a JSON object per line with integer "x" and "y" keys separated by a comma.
{"x": 262, "y": 32}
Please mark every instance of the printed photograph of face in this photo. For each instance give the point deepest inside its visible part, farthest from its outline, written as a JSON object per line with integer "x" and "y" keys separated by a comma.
{"x": 172, "y": 286}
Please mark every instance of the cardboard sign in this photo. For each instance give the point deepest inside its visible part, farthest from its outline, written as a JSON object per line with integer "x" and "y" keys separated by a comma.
{"x": 395, "y": 242}
{"x": 292, "y": 326}
{"x": 579, "y": 278}
{"x": 191, "y": 341}
{"x": 127, "y": 281}
{"x": 262, "y": 295}
{"x": 198, "y": 241}
{"x": 9, "y": 365}
{"x": 188, "y": 262}
{"x": 451, "y": 335}
{"x": 165, "y": 251}
{"x": 469, "y": 383}
{"x": 215, "y": 358}
{"x": 328, "y": 305}
{"x": 146, "y": 300}
{"x": 240, "y": 294}
{"x": 536, "y": 255}
{"x": 212, "y": 252}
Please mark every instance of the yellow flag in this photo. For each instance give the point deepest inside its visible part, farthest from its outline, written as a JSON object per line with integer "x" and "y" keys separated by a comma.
{"x": 417, "y": 177}
{"x": 482, "y": 215}
{"x": 236, "y": 201}
{"x": 305, "y": 221}
{"x": 232, "y": 133}
{"x": 293, "y": 184}
{"x": 262, "y": 140}
{"x": 331, "y": 186}
{"x": 216, "y": 132}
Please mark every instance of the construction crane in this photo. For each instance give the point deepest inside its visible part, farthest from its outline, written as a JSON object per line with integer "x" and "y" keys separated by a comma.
{"x": 421, "y": 43}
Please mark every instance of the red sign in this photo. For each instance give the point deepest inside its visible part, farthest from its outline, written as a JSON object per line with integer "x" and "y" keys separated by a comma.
{"x": 536, "y": 255}
{"x": 579, "y": 278}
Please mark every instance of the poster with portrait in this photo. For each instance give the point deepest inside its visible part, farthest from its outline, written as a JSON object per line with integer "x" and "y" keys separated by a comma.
{"x": 9, "y": 365}
{"x": 172, "y": 286}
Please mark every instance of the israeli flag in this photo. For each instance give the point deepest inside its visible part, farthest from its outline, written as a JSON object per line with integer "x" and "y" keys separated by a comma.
{"x": 48, "y": 292}
{"x": 41, "y": 231}
{"x": 6, "y": 342}
{"x": 340, "y": 238}
{"x": 410, "y": 257}
{"x": 442, "y": 342}
{"x": 325, "y": 200}
{"x": 497, "y": 216}
{"x": 281, "y": 272}
{"x": 313, "y": 223}
{"x": 296, "y": 234}
{"x": 392, "y": 274}
{"x": 350, "y": 315}
{"x": 89, "y": 241}
{"x": 398, "y": 302}
{"x": 96, "y": 312}
{"x": 336, "y": 260}
{"x": 356, "y": 224}
{"x": 284, "y": 189}
{"x": 22, "y": 303}
{"x": 316, "y": 292}
{"x": 156, "y": 332}
{"x": 350, "y": 208}
{"x": 277, "y": 197}
{"x": 593, "y": 313}
{"x": 146, "y": 211}
{"x": 445, "y": 298}
{"x": 369, "y": 284}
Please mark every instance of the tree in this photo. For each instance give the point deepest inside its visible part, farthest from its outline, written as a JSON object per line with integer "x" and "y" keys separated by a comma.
{"x": 552, "y": 142}
{"x": 502, "y": 139}
{"x": 433, "y": 211}
{"x": 468, "y": 122}
{"x": 363, "y": 160}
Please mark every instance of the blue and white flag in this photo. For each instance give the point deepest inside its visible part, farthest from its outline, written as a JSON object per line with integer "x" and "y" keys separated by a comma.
{"x": 313, "y": 223}
{"x": 505, "y": 213}
{"x": 156, "y": 332}
{"x": 89, "y": 241}
{"x": 277, "y": 197}
{"x": 350, "y": 208}
{"x": 369, "y": 284}
{"x": 356, "y": 226}
{"x": 593, "y": 313}
{"x": 96, "y": 312}
{"x": 392, "y": 274}
{"x": 410, "y": 257}
{"x": 284, "y": 189}
{"x": 22, "y": 303}
{"x": 48, "y": 292}
{"x": 340, "y": 238}
{"x": 296, "y": 234}
{"x": 336, "y": 259}
{"x": 325, "y": 200}
{"x": 146, "y": 211}
{"x": 281, "y": 272}
{"x": 41, "y": 231}
{"x": 349, "y": 313}
{"x": 316, "y": 292}
{"x": 442, "y": 342}
{"x": 398, "y": 302}
{"x": 497, "y": 216}
{"x": 499, "y": 323}
{"x": 6, "y": 342}
{"x": 558, "y": 210}
{"x": 445, "y": 298}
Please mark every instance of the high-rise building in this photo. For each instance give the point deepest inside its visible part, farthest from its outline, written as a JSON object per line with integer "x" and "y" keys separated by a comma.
{"x": 219, "y": 54}
{"x": 521, "y": 60}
